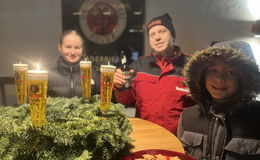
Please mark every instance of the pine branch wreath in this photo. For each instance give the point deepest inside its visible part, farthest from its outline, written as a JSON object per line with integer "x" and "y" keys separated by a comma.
{"x": 75, "y": 129}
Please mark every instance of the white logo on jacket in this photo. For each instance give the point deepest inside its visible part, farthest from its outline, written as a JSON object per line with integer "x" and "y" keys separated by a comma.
{"x": 182, "y": 89}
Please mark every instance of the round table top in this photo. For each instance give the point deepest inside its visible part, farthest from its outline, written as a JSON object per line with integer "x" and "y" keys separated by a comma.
{"x": 148, "y": 135}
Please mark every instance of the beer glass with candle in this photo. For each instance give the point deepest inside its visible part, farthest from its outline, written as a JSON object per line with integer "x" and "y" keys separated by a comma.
{"x": 37, "y": 89}
{"x": 20, "y": 78}
{"x": 85, "y": 75}
{"x": 106, "y": 86}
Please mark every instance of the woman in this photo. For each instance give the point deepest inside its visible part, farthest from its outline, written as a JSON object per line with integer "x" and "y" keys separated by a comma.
{"x": 64, "y": 78}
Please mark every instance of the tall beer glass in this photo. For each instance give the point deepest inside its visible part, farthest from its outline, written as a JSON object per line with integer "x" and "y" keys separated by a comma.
{"x": 85, "y": 75}
{"x": 37, "y": 86}
{"x": 20, "y": 82}
{"x": 106, "y": 86}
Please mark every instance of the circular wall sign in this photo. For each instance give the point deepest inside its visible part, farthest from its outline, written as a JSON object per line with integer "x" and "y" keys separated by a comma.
{"x": 102, "y": 21}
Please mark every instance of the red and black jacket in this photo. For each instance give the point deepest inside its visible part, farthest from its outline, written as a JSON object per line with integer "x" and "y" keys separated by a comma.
{"x": 158, "y": 91}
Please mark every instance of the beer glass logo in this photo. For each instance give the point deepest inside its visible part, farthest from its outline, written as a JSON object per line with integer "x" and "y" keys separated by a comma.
{"x": 34, "y": 88}
{"x": 107, "y": 79}
{"x": 84, "y": 74}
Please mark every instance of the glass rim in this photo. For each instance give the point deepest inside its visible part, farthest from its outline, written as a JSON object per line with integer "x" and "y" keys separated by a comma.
{"x": 107, "y": 66}
{"x": 37, "y": 72}
{"x": 20, "y": 65}
{"x": 84, "y": 62}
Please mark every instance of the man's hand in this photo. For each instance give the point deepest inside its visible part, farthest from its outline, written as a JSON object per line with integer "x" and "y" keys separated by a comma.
{"x": 119, "y": 78}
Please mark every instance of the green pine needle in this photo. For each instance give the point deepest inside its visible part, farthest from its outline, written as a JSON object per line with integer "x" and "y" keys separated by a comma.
{"x": 75, "y": 129}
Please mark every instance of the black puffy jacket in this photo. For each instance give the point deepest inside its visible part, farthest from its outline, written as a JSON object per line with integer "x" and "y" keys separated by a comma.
{"x": 64, "y": 80}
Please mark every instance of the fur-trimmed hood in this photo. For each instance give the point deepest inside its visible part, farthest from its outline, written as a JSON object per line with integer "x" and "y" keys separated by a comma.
{"x": 194, "y": 72}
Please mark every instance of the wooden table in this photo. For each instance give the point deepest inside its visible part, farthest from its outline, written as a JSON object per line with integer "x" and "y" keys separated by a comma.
{"x": 148, "y": 135}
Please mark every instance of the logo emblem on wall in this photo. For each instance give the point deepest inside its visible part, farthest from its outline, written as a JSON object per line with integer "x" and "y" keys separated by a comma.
{"x": 102, "y": 21}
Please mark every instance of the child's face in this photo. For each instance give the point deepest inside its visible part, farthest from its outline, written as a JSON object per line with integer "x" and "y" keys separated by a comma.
{"x": 222, "y": 80}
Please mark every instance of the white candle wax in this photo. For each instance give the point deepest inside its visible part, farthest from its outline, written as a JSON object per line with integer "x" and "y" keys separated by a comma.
{"x": 37, "y": 75}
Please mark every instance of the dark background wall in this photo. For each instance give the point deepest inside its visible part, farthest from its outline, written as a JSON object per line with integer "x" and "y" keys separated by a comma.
{"x": 132, "y": 37}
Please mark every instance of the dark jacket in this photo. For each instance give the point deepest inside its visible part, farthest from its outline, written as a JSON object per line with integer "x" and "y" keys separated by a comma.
{"x": 64, "y": 80}
{"x": 158, "y": 94}
{"x": 226, "y": 130}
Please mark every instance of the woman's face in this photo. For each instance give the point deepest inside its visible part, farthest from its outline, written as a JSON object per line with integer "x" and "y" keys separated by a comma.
{"x": 71, "y": 48}
{"x": 222, "y": 80}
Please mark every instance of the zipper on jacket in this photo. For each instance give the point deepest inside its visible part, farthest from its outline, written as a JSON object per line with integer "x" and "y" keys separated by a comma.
{"x": 71, "y": 81}
{"x": 209, "y": 143}
{"x": 225, "y": 138}
{"x": 218, "y": 153}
